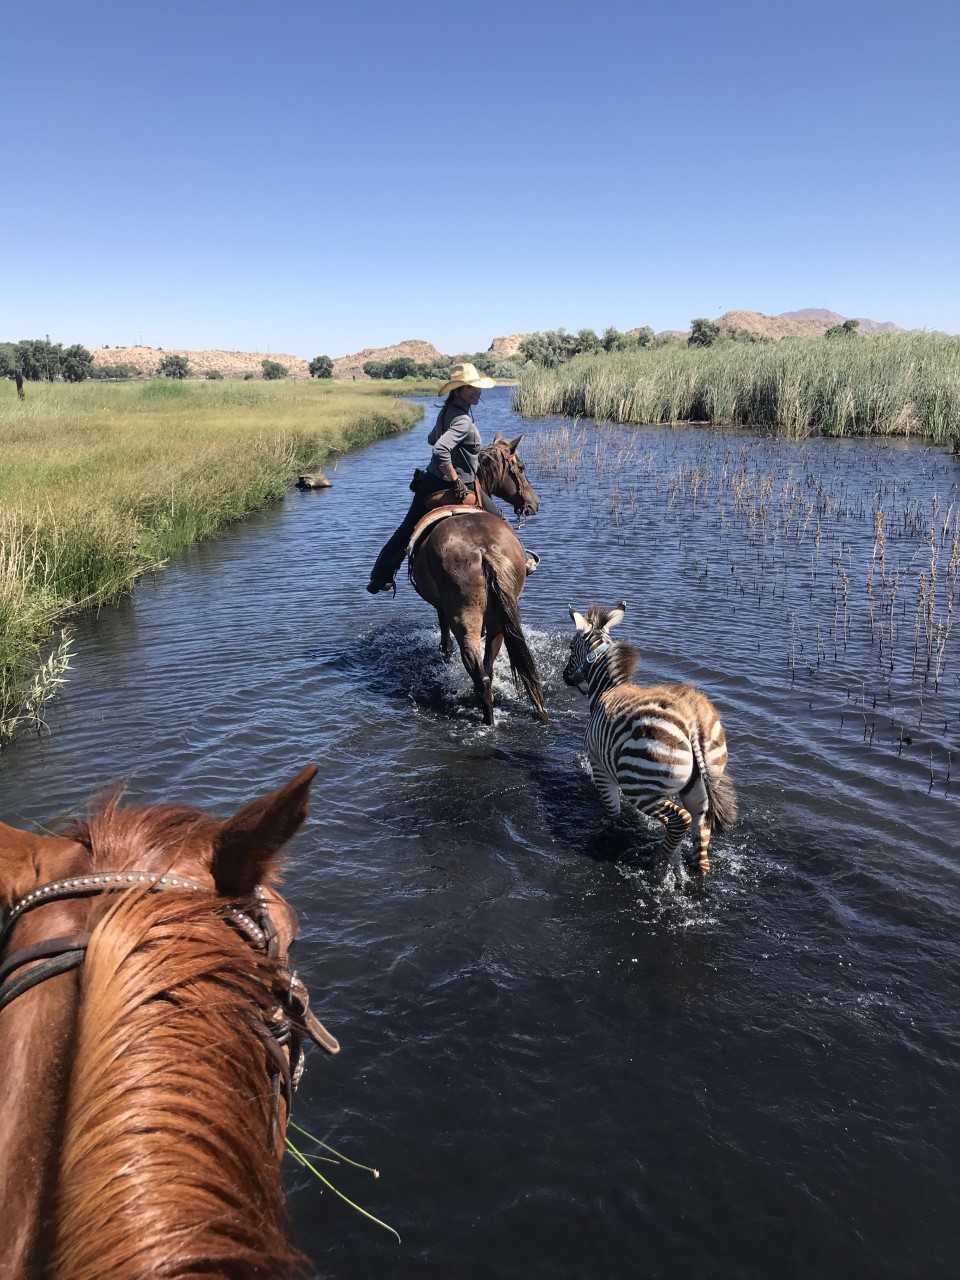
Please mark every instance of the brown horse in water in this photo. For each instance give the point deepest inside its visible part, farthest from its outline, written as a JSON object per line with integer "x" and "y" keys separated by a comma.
{"x": 149, "y": 1043}
{"x": 472, "y": 569}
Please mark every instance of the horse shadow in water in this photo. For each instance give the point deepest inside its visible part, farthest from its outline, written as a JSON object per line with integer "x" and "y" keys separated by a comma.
{"x": 401, "y": 662}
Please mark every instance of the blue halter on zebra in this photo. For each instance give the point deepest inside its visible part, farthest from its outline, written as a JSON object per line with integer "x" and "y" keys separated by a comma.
{"x": 659, "y": 750}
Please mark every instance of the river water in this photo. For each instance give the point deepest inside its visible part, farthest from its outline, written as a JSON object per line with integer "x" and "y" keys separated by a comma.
{"x": 563, "y": 1067}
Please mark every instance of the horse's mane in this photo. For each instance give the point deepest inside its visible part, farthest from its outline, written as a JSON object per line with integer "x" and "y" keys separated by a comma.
{"x": 167, "y": 1165}
{"x": 491, "y": 466}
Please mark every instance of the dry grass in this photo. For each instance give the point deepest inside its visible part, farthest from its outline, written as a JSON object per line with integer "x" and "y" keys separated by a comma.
{"x": 102, "y": 482}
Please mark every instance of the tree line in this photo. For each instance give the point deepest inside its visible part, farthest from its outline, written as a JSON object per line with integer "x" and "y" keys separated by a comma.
{"x": 40, "y": 360}
{"x": 552, "y": 347}
{"x": 439, "y": 370}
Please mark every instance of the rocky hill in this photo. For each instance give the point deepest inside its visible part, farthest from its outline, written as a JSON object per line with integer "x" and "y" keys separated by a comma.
{"x": 811, "y": 322}
{"x": 507, "y": 347}
{"x": 348, "y": 367}
{"x": 232, "y": 364}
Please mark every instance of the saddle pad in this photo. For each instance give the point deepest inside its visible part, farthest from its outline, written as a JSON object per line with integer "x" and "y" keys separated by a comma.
{"x": 426, "y": 523}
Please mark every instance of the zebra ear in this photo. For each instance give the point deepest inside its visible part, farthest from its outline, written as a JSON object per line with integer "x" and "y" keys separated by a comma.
{"x": 616, "y": 615}
{"x": 578, "y": 620}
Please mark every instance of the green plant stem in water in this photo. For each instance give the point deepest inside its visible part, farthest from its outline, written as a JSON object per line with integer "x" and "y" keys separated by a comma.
{"x": 306, "y": 1163}
{"x": 333, "y": 1151}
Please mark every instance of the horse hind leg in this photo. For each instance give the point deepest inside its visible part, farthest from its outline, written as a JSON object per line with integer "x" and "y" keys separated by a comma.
{"x": 446, "y": 640}
{"x": 490, "y": 651}
{"x": 469, "y": 640}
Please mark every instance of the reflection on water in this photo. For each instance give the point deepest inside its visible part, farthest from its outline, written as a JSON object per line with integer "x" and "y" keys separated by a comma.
{"x": 562, "y": 1066}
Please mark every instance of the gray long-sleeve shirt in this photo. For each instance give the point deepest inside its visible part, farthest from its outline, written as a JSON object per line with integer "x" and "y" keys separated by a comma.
{"x": 456, "y": 440}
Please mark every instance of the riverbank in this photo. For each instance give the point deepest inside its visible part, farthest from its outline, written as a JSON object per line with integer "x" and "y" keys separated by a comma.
{"x": 901, "y": 384}
{"x": 101, "y": 483}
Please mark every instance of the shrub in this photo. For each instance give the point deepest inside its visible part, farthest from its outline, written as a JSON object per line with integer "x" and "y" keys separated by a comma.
{"x": 76, "y": 364}
{"x": 120, "y": 371}
{"x": 213, "y": 375}
{"x": 849, "y": 329}
{"x": 703, "y": 333}
{"x": 321, "y": 367}
{"x": 272, "y": 370}
{"x": 173, "y": 366}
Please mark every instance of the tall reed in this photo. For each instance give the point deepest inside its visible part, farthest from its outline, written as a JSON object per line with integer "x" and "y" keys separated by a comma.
{"x": 897, "y": 384}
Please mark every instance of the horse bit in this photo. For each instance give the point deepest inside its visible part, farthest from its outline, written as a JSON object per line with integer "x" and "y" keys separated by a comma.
{"x": 283, "y": 1034}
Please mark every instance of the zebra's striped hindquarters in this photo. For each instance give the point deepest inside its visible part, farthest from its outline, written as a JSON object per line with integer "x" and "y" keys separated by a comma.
{"x": 663, "y": 749}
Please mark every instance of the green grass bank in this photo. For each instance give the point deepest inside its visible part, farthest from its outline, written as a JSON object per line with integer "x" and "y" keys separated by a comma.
{"x": 901, "y": 384}
{"x": 100, "y": 482}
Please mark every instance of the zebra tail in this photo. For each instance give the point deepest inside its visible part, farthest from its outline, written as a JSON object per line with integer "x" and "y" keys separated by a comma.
{"x": 721, "y": 793}
{"x": 499, "y": 572}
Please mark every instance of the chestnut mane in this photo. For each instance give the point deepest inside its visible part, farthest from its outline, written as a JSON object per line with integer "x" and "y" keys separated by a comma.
{"x": 167, "y": 1167}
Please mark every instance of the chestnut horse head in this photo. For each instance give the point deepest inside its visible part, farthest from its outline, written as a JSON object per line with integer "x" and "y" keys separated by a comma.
{"x": 502, "y": 473}
{"x": 150, "y": 1035}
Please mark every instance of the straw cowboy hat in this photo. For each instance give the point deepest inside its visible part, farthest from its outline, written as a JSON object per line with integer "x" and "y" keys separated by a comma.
{"x": 466, "y": 375}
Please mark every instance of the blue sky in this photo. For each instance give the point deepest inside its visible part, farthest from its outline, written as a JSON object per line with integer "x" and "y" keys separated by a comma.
{"x": 310, "y": 178}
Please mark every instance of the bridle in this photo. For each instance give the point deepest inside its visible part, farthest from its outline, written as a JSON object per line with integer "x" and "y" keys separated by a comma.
{"x": 583, "y": 670}
{"x": 283, "y": 1033}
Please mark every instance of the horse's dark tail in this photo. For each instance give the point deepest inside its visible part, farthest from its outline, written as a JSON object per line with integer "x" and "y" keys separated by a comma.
{"x": 504, "y": 587}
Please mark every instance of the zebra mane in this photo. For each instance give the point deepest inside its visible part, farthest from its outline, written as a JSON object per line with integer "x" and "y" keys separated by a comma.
{"x": 624, "y": 656}
{"x": 598, "y": 615}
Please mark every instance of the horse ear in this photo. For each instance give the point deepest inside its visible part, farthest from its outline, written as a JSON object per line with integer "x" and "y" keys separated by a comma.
{"x": 514, "y": 442}
{"x": 21, "y": 859}
{"x": 578, "y": 620}
{"x": 498, "y": 437}
{"x": 15, "y": 849}
{"x": 246, "y": 845}
{"x": 616, "y": 615}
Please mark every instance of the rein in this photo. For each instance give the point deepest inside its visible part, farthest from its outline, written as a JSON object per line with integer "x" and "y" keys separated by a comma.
{"x": 283, "y": 1033}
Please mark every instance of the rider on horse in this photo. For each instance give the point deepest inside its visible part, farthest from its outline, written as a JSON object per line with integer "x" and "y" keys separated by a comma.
{"x": 451, "y": 477}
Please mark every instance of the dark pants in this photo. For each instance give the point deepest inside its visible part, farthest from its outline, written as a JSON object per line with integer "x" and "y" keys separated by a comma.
{"x": 391, "y": 557}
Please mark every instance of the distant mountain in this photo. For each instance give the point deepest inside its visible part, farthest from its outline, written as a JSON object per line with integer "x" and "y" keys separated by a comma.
{"x": 810, "y": 322}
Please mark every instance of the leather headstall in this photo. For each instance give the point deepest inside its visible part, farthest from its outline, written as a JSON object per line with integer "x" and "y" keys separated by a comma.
{"x": 283, "y": 1033}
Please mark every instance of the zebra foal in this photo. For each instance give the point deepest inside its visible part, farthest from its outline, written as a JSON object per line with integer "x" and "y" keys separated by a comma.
{"x": 659, "y": 749}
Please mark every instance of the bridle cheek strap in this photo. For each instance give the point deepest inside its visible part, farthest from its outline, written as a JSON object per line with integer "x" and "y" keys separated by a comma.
{"x": 283, "y": 1034}
{"x": 48, "y": 959}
